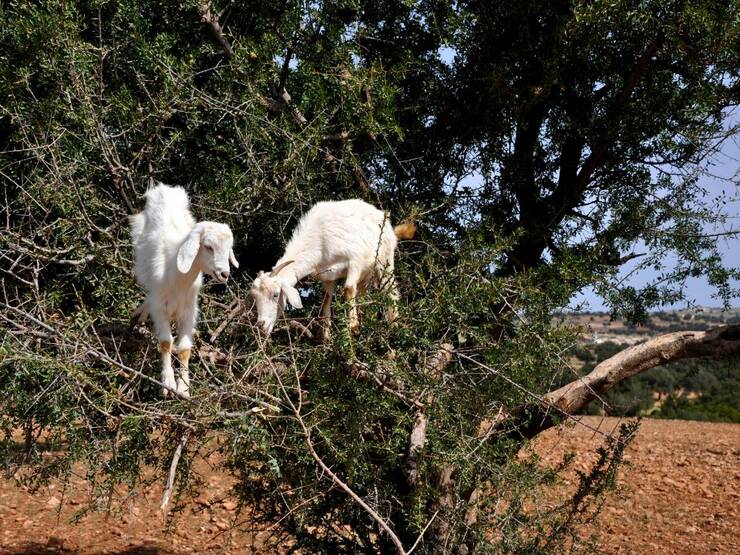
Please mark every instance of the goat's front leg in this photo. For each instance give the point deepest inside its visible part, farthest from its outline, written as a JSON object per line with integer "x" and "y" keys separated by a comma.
{"x": 326, "y": 309}
{"x": 350, "y": 294}
{"x": 185, "y": 330}
{"x": 162, "y": 328}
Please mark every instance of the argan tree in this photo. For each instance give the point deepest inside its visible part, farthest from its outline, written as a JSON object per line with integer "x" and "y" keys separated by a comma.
{"x": 540, "y": 146}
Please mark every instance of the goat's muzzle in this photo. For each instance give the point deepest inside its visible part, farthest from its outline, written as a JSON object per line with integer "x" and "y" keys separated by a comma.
{"x": 264, "y": 327}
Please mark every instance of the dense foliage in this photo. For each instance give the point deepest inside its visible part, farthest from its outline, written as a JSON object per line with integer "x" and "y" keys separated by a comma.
{"x": 537, "y": 144}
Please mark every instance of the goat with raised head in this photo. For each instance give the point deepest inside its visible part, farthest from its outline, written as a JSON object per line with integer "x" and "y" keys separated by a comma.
{"x": 171, "y": 251}
{"x": 348, "y": 239}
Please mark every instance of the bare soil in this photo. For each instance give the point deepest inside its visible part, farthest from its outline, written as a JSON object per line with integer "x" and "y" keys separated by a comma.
{"x": 679, "y": 494}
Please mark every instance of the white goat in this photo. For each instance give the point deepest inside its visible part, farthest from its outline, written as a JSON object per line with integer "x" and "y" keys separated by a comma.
{"x": 348, "y": 239}
{"x": 171, "y": 251}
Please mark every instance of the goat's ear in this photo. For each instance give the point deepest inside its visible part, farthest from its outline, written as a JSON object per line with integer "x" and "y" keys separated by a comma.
{"x": 188, "y": 251}
{"x": 292, "y": 295}
{"x": 232, "y": 259}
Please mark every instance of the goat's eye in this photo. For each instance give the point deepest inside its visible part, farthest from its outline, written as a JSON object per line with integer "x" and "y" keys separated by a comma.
{"x": 275, "y": 295}
{"x": 208, "y": 247}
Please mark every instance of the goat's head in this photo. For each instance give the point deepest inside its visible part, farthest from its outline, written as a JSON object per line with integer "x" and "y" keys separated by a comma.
{"x": 271, "y": 293}
{"x": 211, "y": 244}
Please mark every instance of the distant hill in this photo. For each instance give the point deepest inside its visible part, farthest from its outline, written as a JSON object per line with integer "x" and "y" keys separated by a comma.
{"x": 600, "y": 328}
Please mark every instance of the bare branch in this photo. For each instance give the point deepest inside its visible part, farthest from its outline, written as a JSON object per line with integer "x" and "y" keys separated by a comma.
{"x": 384, "y": 381}
{"x": 434, "y": 366}
{"x": 417, "y": 439}
{"x": 173, "y": 471}
{"x": 720, "y": 342}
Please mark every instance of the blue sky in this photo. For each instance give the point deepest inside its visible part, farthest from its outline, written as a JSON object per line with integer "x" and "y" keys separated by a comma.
{"x": 723, "y": 177}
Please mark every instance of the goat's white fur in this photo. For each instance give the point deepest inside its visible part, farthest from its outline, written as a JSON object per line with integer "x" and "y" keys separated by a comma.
{"x": 171, "y": 251}
{"x": 348, "y": 239}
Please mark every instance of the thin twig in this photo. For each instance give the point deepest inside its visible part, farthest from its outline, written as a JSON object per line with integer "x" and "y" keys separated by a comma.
{"x": 336, "y": 479}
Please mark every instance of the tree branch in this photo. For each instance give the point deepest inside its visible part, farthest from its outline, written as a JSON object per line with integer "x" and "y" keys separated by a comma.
{"x": 296, "y": 407}
{"x": 434, "y": 366}
{"x": 385, "y": 382}
{"x": 530, "y": 419}
{"x": 540, "y": 216}
{"x": 211, "y": 20}
{"x": 600, "y": 149}
{"x": 722, "y": 342}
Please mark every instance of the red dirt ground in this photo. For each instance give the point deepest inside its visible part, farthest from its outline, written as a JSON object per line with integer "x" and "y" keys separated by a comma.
{"x": 679, "y": 494}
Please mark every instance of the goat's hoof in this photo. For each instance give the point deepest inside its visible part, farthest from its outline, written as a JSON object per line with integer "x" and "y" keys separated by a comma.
{"x": 183, "y": 388}
{"x": 170, "y": 385}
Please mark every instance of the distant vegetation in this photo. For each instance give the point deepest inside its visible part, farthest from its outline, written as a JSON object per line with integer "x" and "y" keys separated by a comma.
{"x": 694, "y": 389}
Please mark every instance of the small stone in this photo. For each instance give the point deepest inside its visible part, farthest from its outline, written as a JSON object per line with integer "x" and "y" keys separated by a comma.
{"x": 229, "y": 505}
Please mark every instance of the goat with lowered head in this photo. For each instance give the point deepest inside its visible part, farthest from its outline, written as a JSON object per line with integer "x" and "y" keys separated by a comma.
{"x": 348, "y": 239}
{"x": 171, "y": 251}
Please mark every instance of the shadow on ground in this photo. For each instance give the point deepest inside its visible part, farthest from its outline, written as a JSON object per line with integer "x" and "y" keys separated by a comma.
{"x": 32, "y": 548}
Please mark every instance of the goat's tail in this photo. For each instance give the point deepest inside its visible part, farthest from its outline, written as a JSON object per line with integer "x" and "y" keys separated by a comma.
{"x": 405, "y": 231}
{"x": 137, "y": 223}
